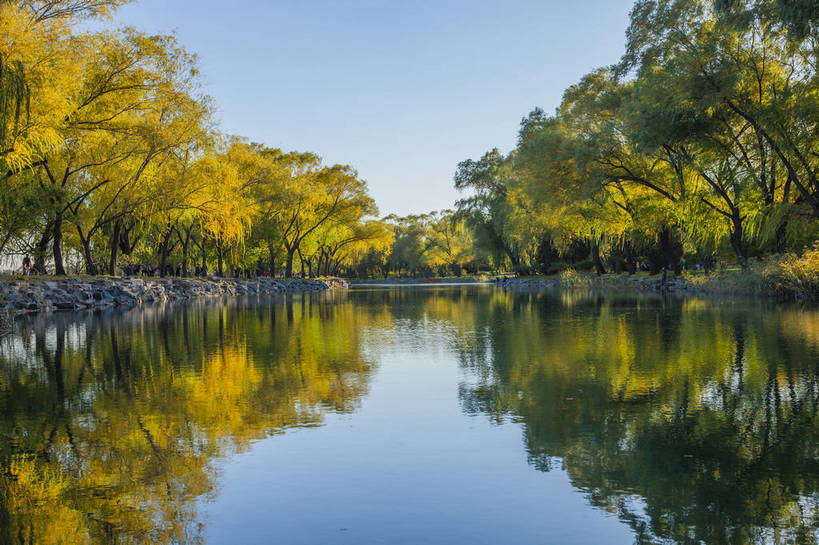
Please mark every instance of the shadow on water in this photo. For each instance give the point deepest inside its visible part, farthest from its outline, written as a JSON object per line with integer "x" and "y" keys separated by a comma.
{"x": 111, "y": 422}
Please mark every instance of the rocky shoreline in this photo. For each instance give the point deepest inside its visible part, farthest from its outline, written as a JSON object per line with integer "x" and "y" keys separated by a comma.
{"x": 48, "y": 295}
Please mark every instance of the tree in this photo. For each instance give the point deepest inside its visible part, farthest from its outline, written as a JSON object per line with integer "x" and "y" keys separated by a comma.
{"x": 489, "y": 210}
{"x": 125, "y": 79}
{"x": 314, "y": 197}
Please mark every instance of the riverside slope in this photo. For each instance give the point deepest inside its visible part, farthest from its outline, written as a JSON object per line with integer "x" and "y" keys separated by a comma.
{"x": 675, "y": 284}
{"x": 47, "y": 295}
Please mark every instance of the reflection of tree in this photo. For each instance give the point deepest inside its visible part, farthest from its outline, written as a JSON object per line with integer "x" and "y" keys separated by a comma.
{"x": 111, "y": 422}
{"x": 694, "y": 423}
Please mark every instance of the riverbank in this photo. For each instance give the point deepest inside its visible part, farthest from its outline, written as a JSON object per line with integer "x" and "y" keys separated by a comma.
{"x": 790, "y": 277}
{"x": 19, "y": 296}
{"x": 776, "y": 284}
{"x": 416, "y": 281}
{"x": 588, "y": 281}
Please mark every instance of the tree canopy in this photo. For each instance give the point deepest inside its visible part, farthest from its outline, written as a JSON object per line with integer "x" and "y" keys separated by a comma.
{"x": 699, "y": 145}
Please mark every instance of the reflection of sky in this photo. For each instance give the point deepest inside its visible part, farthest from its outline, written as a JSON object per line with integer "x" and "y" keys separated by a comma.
{"x": 407, "y": 467}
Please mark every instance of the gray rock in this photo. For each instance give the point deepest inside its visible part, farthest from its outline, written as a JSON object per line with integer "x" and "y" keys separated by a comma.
{"x": 71, "y": 294}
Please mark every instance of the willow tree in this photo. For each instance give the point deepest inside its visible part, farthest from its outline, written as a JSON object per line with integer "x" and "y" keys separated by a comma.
{"x": 577, "y": 198}
{"x": 335, "y": 243}
{"x": 154, "y": 185}
{"x": 204, "y": 195}
{"x": 451, "y": 240}
{"x": 37, "y": 70}
{"x": 752, "y": 78}
{"x": 410, "y": 243}
{"x": 16, "y": 204}
{"x": 315, "y": 197}
{"x": 164, "y": 129}
{"x": 490, "y": 210}
{"x": 15, "y": 98}
{"x": 123, "y": 76}
{"x": 799, "y": 17}
{"x": 269, "y": 174}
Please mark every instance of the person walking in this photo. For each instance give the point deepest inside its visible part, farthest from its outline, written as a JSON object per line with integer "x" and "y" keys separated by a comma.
{"x": 26, "y": 266}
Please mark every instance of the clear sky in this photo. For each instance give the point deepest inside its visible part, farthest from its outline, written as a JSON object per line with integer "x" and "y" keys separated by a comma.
{"x": 402, "y": 90}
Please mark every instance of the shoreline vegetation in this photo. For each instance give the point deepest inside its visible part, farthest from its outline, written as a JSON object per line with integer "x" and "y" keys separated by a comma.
{"x": 793, "y": 278}
{"x": 698, "y": 149}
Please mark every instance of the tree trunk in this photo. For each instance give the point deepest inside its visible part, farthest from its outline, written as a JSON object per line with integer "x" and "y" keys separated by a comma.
{"x": 781, "y": 241}
{"x": 41, "y": 249}
{"x": 288, "y": 271}
{"x": 204, "y": 254}
{"x": 598, "y": 262}
{"x": 631, "y": 261}
{"x": 163, "y": 258}
{"x": 219, "y": 262}
{"x": 309, "y": 263}
{"x": 90, "y": 266}
{"x": 115, "y": 236}
{"x": 185, "y": 245}
{"x": 57, "y": 243}
{"x": 272, "y": 260}
{"x": 782, "y": 230}
{"x": 163, "y": 252}
{"x": 738, "y": 241}
{"x": 185, "y": 259}
{"x": 301, "y": 260}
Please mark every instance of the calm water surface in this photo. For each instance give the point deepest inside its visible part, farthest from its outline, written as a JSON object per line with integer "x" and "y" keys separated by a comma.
{"x": 449, "y": 415}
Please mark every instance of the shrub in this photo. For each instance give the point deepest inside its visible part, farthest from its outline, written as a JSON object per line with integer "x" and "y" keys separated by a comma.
{"x": 796, "y": 276}
{"x": 556, "y": 267}
{"x": 570, "y": 278}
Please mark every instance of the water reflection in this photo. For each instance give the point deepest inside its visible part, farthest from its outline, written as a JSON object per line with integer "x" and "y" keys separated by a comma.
{"x": 110, "y": 423}
{"x": 693, "y": 422}
{"x": 690, "y": 421}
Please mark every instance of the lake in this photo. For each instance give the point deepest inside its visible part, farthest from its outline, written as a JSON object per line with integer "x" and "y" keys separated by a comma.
{"x": 413, "y": 415}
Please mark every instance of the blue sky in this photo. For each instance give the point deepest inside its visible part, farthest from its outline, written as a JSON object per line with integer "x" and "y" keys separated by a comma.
{"x": 401, "y": 90}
